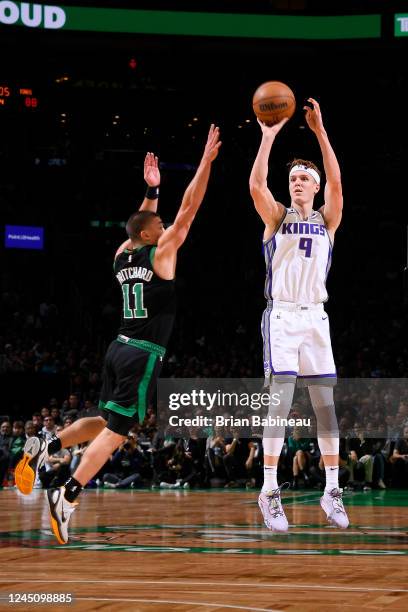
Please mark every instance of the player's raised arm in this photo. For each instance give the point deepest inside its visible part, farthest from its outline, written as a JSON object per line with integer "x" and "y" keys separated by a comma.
{"x": 333, "y": 194}
{"x": 267, "y": 207}
{"x": 166, "y": 254}
{"x": 151, "y": 175}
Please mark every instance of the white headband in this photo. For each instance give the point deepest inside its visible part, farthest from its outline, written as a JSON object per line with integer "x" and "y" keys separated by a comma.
{"x": 310, "y": 171}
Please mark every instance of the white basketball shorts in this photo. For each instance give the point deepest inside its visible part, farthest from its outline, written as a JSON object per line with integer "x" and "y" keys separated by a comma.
{"x": 296, "y": 339}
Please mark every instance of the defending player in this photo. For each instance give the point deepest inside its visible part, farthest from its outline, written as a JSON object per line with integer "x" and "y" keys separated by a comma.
{"x": 145, "y": 268}
{"x": 298, "y": 243}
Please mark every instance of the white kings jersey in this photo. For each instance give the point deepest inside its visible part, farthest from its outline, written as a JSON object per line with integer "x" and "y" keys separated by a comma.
{"x": 298, "y": 259}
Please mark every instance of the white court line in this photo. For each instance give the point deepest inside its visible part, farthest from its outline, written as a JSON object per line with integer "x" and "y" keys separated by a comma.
{"x": 194, "y": 583}
{"x": 184, "y": 603}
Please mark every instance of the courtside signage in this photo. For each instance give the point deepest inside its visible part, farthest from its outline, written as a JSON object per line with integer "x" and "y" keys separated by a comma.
{"x": 23, "y": 237}
{"x": 401, "y": 25}
{"x": 182, "y": 23}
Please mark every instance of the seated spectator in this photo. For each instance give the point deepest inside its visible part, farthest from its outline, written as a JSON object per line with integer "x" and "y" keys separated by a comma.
{"x": 179, "y": 470}
{"x": 214, "y": 463}
{"x": 29, "y": 430}
{"x": 126, "y": 466}
{"x": 57, "y": 469}
{"x": 37, "y": 422}
{"x": 370, "y": 464}
{"x": 55, "y": 413}
{"x": 17, "y": 443}
{"x": 254, "y": 463}
{"x": 5, "y": 442}
{"x": 45, "y": 411}
{"x": 236, "y": 453}
{"x": 49, "y": 428}
{"x": 399, "y": 462}
{"x": 299, "y": 450}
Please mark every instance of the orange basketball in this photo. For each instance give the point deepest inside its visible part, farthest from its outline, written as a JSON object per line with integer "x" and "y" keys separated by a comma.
{"x": 273, "y": 101}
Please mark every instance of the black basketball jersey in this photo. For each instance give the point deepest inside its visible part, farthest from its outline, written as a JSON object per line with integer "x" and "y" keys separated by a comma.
{"x": 149, "y": 302}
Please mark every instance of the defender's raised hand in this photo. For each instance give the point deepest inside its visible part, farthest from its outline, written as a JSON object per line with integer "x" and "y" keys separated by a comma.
{"x": 313, "y": 116}
{"x": 213, "y": 144}
{"x": 151, "y": 170}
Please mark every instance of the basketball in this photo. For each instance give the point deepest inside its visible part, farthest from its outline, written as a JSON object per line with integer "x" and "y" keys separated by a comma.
{"x": 273, "y": 101}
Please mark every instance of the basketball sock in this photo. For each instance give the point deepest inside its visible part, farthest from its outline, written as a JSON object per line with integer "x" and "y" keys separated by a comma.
{"x": 332, "y": 477}
{"x": 54, "y": 445}
{"x": 72, "y": 489}
{"x": 270, "y": 478}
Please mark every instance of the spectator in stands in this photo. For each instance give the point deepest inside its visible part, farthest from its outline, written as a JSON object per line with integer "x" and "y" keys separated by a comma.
{"x": 299, "y": 451}
{"x": 126, "y": 466}
{"x": 71, "y": 406}
{"x": 5, "y": 442}
{"x": 236, "y": 454}
{"x": 45, "y": 411}
{"x": 399, "y": 461}
{"x": 58, "y": 467}
{"x": 17, "y": 443}
{"x": 37, "y": 422}
{"x": 29, "y": 430}
{"x": 55, "y": 413}
{"x": 49, "y": 428}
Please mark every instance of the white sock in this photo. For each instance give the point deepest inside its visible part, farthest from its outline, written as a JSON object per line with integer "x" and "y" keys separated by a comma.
{"x": 332, "y": 478}
{"x": 270, "y": 478}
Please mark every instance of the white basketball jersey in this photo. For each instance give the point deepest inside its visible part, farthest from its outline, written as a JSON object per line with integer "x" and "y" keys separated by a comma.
{"x": 298, "y": 259}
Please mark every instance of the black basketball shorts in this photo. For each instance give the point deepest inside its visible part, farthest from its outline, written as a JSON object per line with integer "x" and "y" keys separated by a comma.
{"x": 129, "y": 380}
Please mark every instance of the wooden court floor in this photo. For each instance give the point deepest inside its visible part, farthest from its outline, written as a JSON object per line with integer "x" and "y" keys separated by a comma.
{"x": 206, "y": 551}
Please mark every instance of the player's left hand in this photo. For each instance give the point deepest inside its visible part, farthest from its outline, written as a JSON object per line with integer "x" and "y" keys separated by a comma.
{"x": 313, "y": 116}
{"x": 151, "y": 170}
{"x": 213, "y": 144}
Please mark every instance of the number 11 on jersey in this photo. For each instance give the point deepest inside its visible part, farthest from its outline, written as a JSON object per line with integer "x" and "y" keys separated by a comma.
{"x": 138, "y": 312}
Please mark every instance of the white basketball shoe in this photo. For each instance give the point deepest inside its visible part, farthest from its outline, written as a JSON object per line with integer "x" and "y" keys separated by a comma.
{"x": 332, "y": 504}
{"x": 273, "y": 514}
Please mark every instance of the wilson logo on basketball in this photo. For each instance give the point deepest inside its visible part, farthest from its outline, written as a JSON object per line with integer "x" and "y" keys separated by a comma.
{"x": 270, "y": 106}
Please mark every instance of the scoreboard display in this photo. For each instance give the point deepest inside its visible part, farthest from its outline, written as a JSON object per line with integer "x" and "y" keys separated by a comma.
{"x": 17, "y": 96}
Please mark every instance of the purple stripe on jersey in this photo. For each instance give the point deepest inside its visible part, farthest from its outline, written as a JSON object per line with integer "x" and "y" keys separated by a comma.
{"x": 318, "y": 376}
{"x": 329, "y": 260}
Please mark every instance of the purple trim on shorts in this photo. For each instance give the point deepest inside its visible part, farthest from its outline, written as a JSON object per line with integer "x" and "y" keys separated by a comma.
{"x": 286, "y": 373}
{"x": 318, "y": 376}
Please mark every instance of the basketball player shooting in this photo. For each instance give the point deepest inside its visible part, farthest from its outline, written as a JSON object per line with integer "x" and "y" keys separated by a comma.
{"x": 298, "y": 244}
{"x": 145, "y": 267}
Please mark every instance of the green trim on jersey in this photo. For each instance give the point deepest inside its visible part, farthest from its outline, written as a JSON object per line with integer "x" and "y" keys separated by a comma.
{"x": 145, "y": 345}
{"x": 152, "y": 254}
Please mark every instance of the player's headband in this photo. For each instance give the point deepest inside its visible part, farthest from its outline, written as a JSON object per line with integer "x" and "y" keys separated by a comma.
{"x": 300, "y": 167}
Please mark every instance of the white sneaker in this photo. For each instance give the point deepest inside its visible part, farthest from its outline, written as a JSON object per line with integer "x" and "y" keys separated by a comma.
{"x": 165, "y": 485}
{"x": 382, "y": 484}
{"x": 332, "y": 504}
{"x": 26, "y": 472}
{"x": 272, "y": 511}
{"x": 60, "y": 513}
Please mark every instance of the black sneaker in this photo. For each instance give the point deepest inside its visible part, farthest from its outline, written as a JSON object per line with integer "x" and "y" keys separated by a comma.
{"x": 35, "y": 453}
